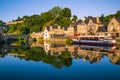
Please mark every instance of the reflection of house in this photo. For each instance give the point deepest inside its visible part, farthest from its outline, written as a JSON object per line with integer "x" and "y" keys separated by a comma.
{"x": 38, "y": 37}
{"x": 54, "y": 49}
{"x": 93, "y": 55}
{"x": 114, "y": 58}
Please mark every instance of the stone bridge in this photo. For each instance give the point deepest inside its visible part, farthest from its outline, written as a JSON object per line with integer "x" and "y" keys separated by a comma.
{"x": 6, "y": 48}
{"x": 3, "y": 28}
{"x": 12, "y": 36}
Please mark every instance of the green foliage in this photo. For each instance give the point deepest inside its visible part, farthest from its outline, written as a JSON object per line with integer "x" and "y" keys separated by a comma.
{"x": 37, "y": 23}
{"x": 74, "y": 18}
{"x": 118, "y": 40}
{"x": 107, "y": 18}
{"x": 38, "y": 54}
{"x": 18, "y": 42}
{"x": 1, "y": 22}
{"x": 66, "y": 12}
{"x": 69, "y": 42}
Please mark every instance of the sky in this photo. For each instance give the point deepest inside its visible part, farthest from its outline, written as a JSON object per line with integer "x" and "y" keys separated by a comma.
{"x": 11, "y": 9}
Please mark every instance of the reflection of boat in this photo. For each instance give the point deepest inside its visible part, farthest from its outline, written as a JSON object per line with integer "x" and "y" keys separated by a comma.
{"x": 100, "y": 48}
{"x": 108, "y": 49}
{"x": 95, "y": 40}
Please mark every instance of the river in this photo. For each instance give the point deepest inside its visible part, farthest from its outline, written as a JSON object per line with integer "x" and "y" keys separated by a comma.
{"x": 57, "y": 61}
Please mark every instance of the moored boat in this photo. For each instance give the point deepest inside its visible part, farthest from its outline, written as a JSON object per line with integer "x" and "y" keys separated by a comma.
{"x": 95, "y": 40}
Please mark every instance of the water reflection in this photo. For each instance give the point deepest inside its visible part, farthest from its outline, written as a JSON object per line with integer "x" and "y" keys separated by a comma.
{"x": 93, "y": 54}
{"x": 59, "y": 55}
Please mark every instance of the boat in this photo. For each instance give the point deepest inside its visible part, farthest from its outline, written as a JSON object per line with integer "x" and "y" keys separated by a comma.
{"x": 95, "y": 40}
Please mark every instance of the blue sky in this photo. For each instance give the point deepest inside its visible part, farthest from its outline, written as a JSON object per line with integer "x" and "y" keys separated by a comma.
{"x": 11, "y": 9}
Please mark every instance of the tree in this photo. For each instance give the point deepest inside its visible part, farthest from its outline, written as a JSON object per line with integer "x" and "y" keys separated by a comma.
{"x": 66, "y": 12}
{"x": 74, "y": 18}
{"x": 56, "y": 11}
{"x": 18, "y": 19}
{"x": 1, "y": 22}
{"x": 117, "y": 13}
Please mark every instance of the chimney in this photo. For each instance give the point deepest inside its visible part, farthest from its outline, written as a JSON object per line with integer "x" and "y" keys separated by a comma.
{"x": 97, "y": 20}
{"x": 83, "y": 19}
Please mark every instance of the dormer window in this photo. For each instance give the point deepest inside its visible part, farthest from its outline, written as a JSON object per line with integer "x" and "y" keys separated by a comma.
{"x": 112, "y": 23}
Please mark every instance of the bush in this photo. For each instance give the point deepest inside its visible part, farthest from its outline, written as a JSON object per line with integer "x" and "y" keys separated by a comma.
{"x": 118, "y": 40}
{"x": 69, "y": 42}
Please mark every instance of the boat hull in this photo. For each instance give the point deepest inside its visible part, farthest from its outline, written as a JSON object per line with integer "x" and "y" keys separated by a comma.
{"x": 95, "y": 43}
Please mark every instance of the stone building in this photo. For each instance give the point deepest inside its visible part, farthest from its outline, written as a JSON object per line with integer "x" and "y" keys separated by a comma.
{"x": 114, "y": 26}
{"x": 54, "y": 31}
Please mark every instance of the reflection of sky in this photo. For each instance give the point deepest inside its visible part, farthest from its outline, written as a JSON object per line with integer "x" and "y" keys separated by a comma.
{"x": 12, "y": 68}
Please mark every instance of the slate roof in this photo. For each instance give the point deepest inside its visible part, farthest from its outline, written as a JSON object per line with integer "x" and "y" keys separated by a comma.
{"x": 102, "y": 29}
{"x": 48, "y": 28}
{"x": 55, "y": 26}
{"x": 79, "y": 22}
{"x": 65, "y": 28}
{"x": 92, "y": 18}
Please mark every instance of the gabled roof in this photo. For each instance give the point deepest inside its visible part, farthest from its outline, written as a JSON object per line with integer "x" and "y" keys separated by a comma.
{"x": 79, "y": 22}
{"x": 106, "y": 23}
{"x": 91, "y": 18}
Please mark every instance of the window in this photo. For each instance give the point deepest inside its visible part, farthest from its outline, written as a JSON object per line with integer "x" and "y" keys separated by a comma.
{"x": 118, "y": 27}
{"x": 111, "y": 28}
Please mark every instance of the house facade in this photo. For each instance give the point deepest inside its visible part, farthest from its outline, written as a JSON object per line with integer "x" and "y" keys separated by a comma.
{"x": 81, "y": 27}
{"x": 92, "y": 25}
{"x": 114, "y": 26}
{"x": 85, "y": 26}
{"x": 54, "y": 31}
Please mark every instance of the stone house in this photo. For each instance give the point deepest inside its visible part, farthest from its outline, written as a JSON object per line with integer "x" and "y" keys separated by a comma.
{"x": 81, "y": 27}
{"x": 70, "y": 31}
{"x": 92, "y": 24}
{"x": 54, "y": 31}
{"x": 114, "y": 26}
{"x": 87, "y": 26}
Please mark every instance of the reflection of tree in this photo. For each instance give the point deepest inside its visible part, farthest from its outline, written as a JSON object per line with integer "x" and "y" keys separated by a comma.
{"x": 38, "y": 54}
{"x": 66, "y": 58}
{"x": 2, "y": 55}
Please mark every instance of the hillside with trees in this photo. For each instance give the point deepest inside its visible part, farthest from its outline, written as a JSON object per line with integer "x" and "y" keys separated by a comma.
{"x": 56, "y": 15}
{"x": 107, "y": 18}
{"x": 37, "y": 23}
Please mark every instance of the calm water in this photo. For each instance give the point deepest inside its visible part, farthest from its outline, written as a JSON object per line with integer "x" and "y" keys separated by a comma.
{"x": 60, "y": 62}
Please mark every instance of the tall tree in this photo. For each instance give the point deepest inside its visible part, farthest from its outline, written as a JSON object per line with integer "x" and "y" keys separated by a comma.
{"x": 66, "y": 12}
{"x": 1, "y": 22}
{"x": 56, "y": 11}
